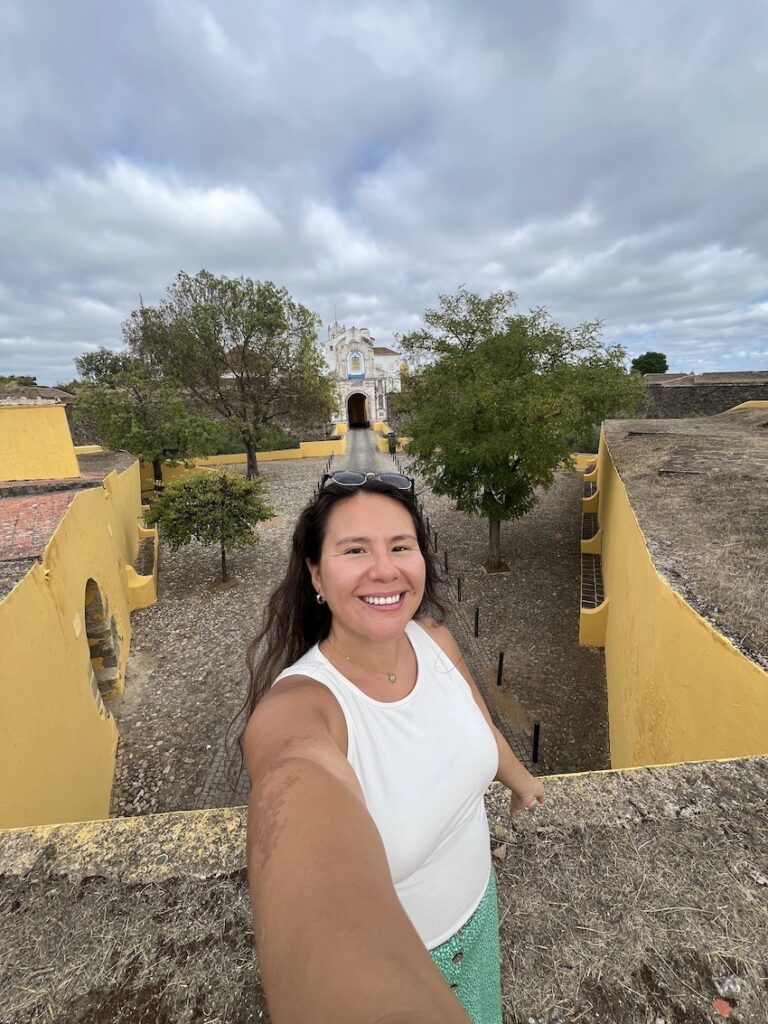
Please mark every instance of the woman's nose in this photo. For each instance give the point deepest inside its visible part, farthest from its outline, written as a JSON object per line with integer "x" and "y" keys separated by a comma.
{"x": 383, "y": 566}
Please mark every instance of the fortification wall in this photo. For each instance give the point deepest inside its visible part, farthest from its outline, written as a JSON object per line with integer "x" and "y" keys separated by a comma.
{"x": 65, "y": 635}
{"x": 678, "y": 690}
{"x": 626, "y": 897}
{"x": 699, "y": 399}
{"x": 35, "y": 443}
{"x": 336, "y": 445}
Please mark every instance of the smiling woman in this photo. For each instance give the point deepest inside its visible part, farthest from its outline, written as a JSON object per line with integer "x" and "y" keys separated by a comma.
{"x": 369, "y": 750}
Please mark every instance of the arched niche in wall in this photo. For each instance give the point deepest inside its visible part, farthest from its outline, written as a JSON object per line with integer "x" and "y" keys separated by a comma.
{"x": 103, "y": 642}
{"x": 356, "y": 364}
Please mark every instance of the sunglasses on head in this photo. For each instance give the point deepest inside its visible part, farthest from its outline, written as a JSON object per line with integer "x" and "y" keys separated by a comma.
{"x": 350, "y": 478}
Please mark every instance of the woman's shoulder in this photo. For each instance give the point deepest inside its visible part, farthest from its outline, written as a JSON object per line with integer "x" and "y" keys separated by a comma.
{"x": 298, "y": 695}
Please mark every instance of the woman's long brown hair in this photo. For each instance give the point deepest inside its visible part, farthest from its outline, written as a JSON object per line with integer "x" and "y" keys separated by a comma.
{"x": 293, "y": 621}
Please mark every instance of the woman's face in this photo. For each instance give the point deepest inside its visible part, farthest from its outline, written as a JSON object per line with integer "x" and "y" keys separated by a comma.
{"x": 371, "y": 570}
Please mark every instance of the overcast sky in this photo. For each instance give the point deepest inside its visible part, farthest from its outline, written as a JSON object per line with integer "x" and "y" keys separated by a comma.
{"x": 607, "y": 160}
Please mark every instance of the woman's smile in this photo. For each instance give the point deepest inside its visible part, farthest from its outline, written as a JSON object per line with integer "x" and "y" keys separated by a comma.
{"x": 391, "y": 602}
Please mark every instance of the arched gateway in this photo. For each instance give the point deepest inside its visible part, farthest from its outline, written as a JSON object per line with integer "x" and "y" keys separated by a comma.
{"x": 357, "y": 410}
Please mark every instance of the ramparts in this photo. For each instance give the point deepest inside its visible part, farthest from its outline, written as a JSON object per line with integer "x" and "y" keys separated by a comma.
{"x": 680, "y": 559}
{"x": 629, "y": 897}
{"x": 70, "y": 531}
{"x": 677, "y": 395}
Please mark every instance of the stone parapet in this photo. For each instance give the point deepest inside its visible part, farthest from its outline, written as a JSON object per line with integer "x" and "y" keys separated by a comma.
{"x": 629, "y": 896}
{"x": 689, "y": 395}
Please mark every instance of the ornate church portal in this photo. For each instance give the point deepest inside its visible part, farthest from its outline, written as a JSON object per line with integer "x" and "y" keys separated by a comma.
{"x": 364, "y": 374}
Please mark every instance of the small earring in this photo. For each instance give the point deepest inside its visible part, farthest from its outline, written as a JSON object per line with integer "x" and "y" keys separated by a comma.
{"x": 319, "y": 598}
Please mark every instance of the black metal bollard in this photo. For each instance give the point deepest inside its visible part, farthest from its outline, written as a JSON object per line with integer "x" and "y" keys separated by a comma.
{"x": 535, "y": 751}
{"x": 500, "y": 669}
{"x": 458, "y": 589}
{"x": 477, "y": 620}
{"x": 434, "y": 540}
{"x": 445, "y": 560}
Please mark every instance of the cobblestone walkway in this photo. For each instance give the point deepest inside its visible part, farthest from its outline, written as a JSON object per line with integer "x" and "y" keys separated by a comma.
{"x": 186, "y": 676}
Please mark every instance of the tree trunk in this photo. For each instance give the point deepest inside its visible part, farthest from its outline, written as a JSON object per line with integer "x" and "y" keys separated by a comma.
{"x": 494, "y": 562}
{"x": 157, "y": 470}
{"x": 252, "y": 467}
{"x": 223, "y": 563}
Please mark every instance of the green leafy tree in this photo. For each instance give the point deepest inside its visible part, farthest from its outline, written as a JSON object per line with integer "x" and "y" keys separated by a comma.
{"x": 133, "y": 408}
{"x": 650, "y": 362}
{"x": 273, "y": 438}
{"x": 489, "y": 416}
{"x": 220, "y": 508}
{"x": 17, "y": 380}
{"x": 242, "y": 348}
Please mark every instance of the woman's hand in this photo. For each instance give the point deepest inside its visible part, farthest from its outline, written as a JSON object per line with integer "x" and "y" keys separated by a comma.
{"x": 525, "y": 794}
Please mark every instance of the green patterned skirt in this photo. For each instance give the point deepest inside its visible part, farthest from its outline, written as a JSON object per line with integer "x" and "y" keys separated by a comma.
{"x": 470, "y": 960}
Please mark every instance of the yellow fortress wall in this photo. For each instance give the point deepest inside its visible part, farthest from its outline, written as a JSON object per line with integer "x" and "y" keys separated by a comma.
{"x": 35, "y": 443}
{"x": 57, "y": 741}
{"x": 678, "y": 690}
{"x": 306, "y": 450}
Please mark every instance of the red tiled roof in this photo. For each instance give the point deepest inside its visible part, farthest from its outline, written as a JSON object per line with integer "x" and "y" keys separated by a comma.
{"x": 382, "y": 351}
{"x": 27, "y": 523}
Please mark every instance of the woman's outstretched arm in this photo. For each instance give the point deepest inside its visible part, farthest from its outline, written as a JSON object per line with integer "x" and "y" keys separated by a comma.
{"x": 335, "y": 944}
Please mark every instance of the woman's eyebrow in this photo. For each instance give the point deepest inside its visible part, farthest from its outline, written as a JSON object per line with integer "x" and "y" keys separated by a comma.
{"x": 365, "y": 540}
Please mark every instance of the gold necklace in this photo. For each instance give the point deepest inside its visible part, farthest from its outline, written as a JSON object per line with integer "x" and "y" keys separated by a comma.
{"x": 391, "y": 676}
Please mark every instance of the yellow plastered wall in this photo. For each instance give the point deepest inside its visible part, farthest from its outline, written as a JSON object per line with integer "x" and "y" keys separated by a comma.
{"x": 35, "y": 443}
{"x": 677, "y": 689}
{"x": 321, "y": 449}
{"x": 382, "y": 445}
{"x": 57, "y": 740}
{"x": 306, "y": 450}
{"x": 582, "y": 460}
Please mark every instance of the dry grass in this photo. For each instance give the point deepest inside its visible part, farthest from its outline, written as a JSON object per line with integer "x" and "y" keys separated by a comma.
{"x": 700, "y": 502}
{"x": 167, "y": 953}
{"x": 717, "y": 558}
{"x": 739, "y": 593}
{"x": 632, "y": 921}
{"x": 625, "y": 898}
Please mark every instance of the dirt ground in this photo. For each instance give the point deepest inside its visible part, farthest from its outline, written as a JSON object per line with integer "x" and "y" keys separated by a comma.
{"x": 186, "y": 675}
{"x": 531, "y": 613}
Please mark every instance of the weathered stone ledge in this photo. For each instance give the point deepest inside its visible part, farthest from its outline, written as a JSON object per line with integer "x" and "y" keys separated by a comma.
{"x": 629, "y": 896}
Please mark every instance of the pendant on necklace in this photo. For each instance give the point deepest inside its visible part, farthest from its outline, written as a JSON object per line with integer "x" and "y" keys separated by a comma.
{"x": 392, "y": 677}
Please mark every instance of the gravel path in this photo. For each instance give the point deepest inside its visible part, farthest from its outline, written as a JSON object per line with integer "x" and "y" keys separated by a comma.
{"x": 185, "y": 677}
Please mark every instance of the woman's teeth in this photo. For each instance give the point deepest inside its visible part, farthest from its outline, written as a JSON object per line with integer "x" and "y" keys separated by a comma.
{"x": 383, "y": 600}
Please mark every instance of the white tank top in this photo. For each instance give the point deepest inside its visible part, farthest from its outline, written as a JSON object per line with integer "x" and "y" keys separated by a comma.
{"x": 423, "y": 763}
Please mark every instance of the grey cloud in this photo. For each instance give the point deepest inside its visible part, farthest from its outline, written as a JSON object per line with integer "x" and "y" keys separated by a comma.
{"x": 606, "y": 161}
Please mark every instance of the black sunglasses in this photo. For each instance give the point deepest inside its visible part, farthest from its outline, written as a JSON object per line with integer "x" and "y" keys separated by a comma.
{"x": 349, "y": 478}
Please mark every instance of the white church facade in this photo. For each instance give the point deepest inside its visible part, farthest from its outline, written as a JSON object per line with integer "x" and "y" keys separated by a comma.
{"x": 365, "y": 374}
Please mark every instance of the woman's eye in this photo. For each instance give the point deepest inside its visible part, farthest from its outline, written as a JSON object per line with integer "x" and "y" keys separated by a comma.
{"x": 353, "y": 551}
